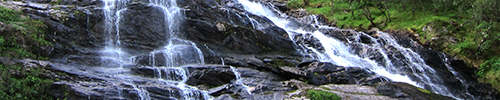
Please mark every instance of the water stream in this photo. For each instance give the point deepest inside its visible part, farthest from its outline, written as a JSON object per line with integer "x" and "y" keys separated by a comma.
{"x": 167, "y": 61}
{"x": 404, "y": 65}
{"x": 396, "y": 62}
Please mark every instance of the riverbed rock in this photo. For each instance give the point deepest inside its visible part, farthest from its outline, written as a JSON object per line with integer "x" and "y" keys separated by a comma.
{"x": 148, "y": 20}
{"x": 266, "y": 62}
{"x": 320, "y": 73}
{"x": 407, "y": 91}
{"x": 210, "y": 76}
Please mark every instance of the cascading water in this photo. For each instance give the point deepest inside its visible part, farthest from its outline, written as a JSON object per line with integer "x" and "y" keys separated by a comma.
{"x": 398, "y": 64}
{"x": 167, "y": 61}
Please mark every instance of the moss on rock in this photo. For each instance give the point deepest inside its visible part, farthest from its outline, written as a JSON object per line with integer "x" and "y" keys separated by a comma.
{"x": 322, "y": 95}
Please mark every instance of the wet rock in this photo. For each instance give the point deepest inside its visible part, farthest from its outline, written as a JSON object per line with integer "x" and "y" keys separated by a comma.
{"x": 241, "y": 40}
{"x": 166, "y": 73}
{"x": 297, "y": 13}
{"x": 345, "y": 91}
{"x": 373, "y": 32}
{"x": 320, "y": 73}
{"x": 170, "y": 56}
{"x": 257, "y": 85}
{"x": 221, "y": 29}
{"x": 267, "y": 96}
{"x": 149, "y": 20}
{"x": 354, "y": 92}
{"x": 231, "y": 30}
{"x": 217, "y": 91}
{"x": 407, "y": 91}
{"x": 38, "y": 6}
{"x": 323, "y": 68}
{"x": 93, "y": 61}
{"x": 481, "y": 90}
{"x": 211, "y": 76}
{"x": 81, "y": 2}
{"x": 405, "y": 39}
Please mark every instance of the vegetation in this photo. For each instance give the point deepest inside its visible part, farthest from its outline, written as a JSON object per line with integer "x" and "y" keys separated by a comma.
{"x": 20, "y": 38}
{"x": 322, "y": 95}
{"x": 468, "y": 29}
{"x": 18, "y": 83}
{"x": 19, "y": 34}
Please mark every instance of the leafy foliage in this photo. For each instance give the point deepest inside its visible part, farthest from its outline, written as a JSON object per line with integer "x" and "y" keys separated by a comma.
{"x": 20, "y": 36}
{"x": 28, "y": 85}
{"x": 294, "y": 4}
{"x": 8, "y": 15}
{"x": 322, "y": 95}
{"x": 490, "y": 71}
{"x": 23, "y": 33}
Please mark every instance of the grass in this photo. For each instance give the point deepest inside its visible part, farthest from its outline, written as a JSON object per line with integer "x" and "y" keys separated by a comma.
{"x": 401, "y": 20}
{"x": 322, "y": 95}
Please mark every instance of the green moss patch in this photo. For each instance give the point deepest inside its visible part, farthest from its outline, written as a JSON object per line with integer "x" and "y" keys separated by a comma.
{"x": 21, "y": 35}
{"x": 322, "y": 95}
{"x": 18, "y": 83}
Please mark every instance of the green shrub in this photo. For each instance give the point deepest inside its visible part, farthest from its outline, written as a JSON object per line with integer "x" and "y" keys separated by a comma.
{"x": 8, "y": 15}
{"x": 490, "y": 72}
{"x": 29, "y": 34}
{"x": 294, "y": 4}
{"x": 322, "y": 95}
{"x": 27, "y": 86}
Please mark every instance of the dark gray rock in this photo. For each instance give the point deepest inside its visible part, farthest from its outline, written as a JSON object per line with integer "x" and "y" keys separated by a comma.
{"x": 143, "y": 28}
{"x": 38, "y": 6}
{"x": 221, "y": 29}
{"x": 170, "y": 56}
{"x": 320, "y": 73}
{"x": 210, "y": 76}
{"x": 407, "y": 91}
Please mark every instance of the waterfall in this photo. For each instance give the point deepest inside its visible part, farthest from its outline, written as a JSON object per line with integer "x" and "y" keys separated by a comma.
{"x": 167, "y": 61}
{"x": 404, "y": 65}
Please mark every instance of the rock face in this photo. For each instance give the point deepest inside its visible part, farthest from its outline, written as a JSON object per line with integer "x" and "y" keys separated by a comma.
{"x": 320, "y": 73}
{"x": 407, "y": 91}
{"x": 448, "y": 68}
{"x": 241, "y": 33}
{"x": 258, "y": 60}
{"x": 210, "y": 76}
{"x": 145, "y": 32}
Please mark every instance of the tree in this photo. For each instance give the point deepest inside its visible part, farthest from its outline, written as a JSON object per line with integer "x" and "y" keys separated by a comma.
{"x": 332, "y": 3}
{"x": 387, "y": 10}
{"x": 366, "y": 11}
{"x": 487, "y": 16}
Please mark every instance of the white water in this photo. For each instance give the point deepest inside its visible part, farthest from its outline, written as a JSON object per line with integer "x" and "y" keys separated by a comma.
{"x": 238, "y": 81}
{"x": 340, "y": 53}
{"x": 176, "y": 54}
{"x": 458, "y": 76}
